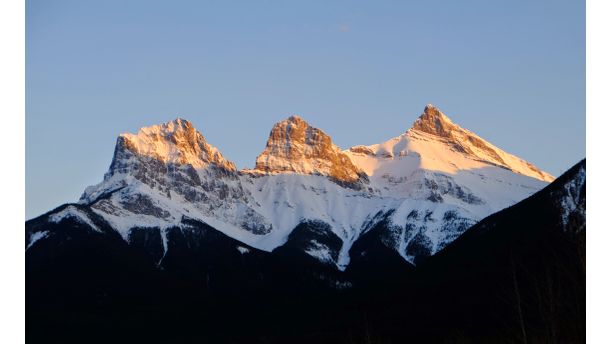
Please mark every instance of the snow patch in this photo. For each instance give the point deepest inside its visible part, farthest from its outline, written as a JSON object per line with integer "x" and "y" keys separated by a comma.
{"x": 37, "y": 236}
{"x": 243, "y": 250}
{"x": 320, "y": 252}
{"x": 164, "y": 237}
{"x": 75, "y": 213}
{"x": 572, "y": 194}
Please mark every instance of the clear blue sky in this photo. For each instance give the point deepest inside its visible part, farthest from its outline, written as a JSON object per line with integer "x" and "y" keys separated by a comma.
{"x": 511, "y": 71}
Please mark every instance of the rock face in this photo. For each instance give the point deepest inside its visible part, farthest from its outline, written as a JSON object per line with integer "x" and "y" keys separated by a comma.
{"x": 163, "y": 166}
{"x": 433, "y": 121}
{"x": 176, "y": 142}
{"x": 295, "y": 146}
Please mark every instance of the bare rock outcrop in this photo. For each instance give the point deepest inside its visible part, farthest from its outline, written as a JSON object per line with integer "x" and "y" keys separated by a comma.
{"x": 295, "y": 146}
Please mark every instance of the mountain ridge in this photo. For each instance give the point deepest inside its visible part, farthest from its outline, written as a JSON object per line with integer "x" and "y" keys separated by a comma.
{"x": 424, "y": 190}
{"x": 289, "y": 134}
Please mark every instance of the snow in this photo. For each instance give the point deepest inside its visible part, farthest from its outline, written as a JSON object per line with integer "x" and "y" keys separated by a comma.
{"x": 414, "y": 155}
{"x": 242, "y": 250}
{"x": 569, "y": 201}
{"x": 283, "y": 201}
{"x": 37, "y": 236}
{"x": 415, "y": 171}
{"x": 164, "y": 236}
{"x": 73, "y": 212}
{"x": 320, "y": 252}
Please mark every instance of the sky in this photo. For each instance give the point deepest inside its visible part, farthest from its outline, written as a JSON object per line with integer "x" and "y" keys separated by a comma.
{"x": 511, "y": 71}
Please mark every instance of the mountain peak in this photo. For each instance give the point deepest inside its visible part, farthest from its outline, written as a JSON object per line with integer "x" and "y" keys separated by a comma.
{"x": 433, "y": 121}
{"x": 176, "y": 142}
{"x": 296, "y": 146}
{"x": 295, "y": 119}
{"x": 176, "y": 125}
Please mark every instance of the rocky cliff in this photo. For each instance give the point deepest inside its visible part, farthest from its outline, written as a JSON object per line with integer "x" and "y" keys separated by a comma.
{"x": 297, "y": 147}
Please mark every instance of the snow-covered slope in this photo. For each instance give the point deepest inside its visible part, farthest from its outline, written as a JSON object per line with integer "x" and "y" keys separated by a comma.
{"x": 442, "y": 162}
{"x": 444, "y": 178}
{"x": 426, "y": 186}
{"x": 436, "y": 143}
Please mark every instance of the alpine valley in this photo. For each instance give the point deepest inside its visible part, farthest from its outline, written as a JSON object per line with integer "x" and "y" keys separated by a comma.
{"x": 435, "y": 235}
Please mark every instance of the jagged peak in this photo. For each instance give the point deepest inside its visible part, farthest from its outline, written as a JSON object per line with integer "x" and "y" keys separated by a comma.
{"x": 296, "y": 146}
{"x": 297, "y": 130}
{"x": 295, "y": 119}
{"x": 432, "y": 111}
{"x": 177, "y": 142}
{"x": 175, "y": 126}
{"x": 435, "y": 122}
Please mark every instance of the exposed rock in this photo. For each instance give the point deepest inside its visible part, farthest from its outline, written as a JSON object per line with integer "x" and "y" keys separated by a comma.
{"x": 433, "y": 121}
{"x": 174, "y": 142}
{"x": 172, "y": 159}
{"x": 295, "y": 146}
{"x": 362, "y": 150}
{"x": 142, "y": 204}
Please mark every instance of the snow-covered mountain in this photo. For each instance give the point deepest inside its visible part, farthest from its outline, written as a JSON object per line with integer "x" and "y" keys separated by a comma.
{"x": 424, "y": 187}
{"x": 84, "y": 278}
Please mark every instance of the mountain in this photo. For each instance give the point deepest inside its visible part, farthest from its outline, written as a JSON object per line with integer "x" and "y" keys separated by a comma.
{"x": 421, "y": 190}
{"x": 174, "y": 227}
{"x": 517, "y": 275}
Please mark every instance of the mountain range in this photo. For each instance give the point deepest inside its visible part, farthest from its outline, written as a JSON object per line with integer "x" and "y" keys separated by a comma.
{"x": 326, "y": 244}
